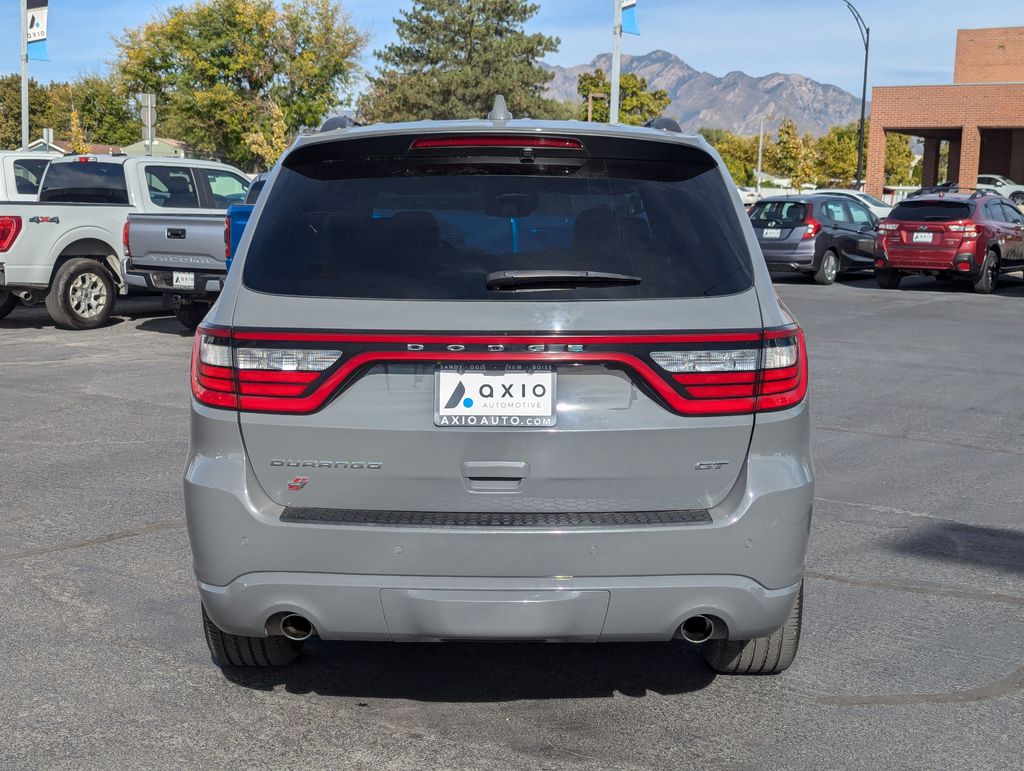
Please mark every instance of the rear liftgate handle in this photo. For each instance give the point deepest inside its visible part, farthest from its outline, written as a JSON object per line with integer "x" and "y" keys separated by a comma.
{"x": 500, "y": 476}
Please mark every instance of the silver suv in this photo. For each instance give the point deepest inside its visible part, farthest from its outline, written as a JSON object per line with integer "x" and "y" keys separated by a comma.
{"x": 500, "y": 380}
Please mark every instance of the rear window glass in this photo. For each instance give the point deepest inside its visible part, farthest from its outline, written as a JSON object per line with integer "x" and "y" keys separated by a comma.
{"x": 85, "y": 182}
{"x": 930, "y": 211}
{"x": 433, "y": 228}
{"x": 28, "y": 173}
{"x": 778, "y": 211}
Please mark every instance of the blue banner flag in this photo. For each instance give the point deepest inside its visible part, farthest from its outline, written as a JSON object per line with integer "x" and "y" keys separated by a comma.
{"x": 629, "y": 22}
{"x": 37, "y": 12}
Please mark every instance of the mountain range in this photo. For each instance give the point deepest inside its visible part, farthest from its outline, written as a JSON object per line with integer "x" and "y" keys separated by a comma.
{"x": 736, "y": 101}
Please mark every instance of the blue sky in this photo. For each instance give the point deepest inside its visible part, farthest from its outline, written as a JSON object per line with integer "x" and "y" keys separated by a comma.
{"x": 912, "y": 40}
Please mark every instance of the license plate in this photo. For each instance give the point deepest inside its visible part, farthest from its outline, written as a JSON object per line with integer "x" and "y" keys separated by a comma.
{"x": 771, "y": 233}
{"x": 506, "y": 397}
{"x": 184, "y": 280}
{"x": 922, "y": 238}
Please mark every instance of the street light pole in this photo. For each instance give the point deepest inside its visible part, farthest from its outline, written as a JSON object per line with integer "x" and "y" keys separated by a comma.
{"x": 865, "y": 35}
{"x": 613, "y": 103}
{"x": 24, "y": 74}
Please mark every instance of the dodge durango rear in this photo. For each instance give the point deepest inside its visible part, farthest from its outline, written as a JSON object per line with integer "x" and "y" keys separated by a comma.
{"x": 500, "y": 380}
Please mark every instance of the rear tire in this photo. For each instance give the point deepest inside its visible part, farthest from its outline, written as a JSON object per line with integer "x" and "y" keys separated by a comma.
{"x": 988, "y": 277}
{"x": 81, "y": 295}
{"x": 1017, "y": 198}
{"x": 8, "y": 302}
{"x": 888, "y": 279}
{"x": 828, "y": 271}
{"x": 232, "y": 650}
{"x": 762, "y": 655}
{"x": 191, "y": 316}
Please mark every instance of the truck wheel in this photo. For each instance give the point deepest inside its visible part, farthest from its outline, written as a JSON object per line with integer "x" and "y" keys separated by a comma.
{"x": 828, "y": 270}
{"x": 762, "y": 655}
{"x": 1017, "y": 198}
{"x": 988, "y": 277}
{"x": 8, "y": 302}
{"x": 888, "y": 279}
{"x": 232, "y": 650}
{"x": 191, "y": 315}
{"x": 81, "y": 296}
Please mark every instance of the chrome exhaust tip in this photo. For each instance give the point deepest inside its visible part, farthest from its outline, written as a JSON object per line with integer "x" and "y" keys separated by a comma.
{"x": 697, "y": 629}
{"x": 296, "y": 627}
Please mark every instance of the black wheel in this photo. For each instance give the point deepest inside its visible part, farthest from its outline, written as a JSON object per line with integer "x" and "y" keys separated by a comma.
{"x": 1017, "y": 198}
{"x": 888, "y": 279}
{"x": 988, "y": 277}
{"x": 82, "y": 294}
{"x": 762, "y": 655}
{"x": 232, "y": 650}
{"x": 8, "y": 302}
{"x": 829, "y": 268}
{"x": 191, "y": 315}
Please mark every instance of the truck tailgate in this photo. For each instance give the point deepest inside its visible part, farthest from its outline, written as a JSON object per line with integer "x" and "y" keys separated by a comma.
{"x": 177, "y": 242}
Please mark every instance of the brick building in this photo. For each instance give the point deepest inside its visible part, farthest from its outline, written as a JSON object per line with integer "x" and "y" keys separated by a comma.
{"x": 981, "y": 114}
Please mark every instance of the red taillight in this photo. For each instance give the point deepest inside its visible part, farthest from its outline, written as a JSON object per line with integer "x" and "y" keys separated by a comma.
{"x": 967, "y": 230}
{"x": 227, "y": 237}
{"x": 690, "y": 374}
{"x": 124, "y": 239}
{"x": 247, "y": 377}
{"x": 811, "y": 226}
{"x": 10, "y": 227}
{"x": 771, "y": 376}
{"x": 470, "y": 140}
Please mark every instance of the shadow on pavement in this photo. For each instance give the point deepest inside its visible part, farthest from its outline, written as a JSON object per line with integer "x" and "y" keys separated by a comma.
{"x": 987, "y": 547}
{"x": 484, "y": 672}
{"x": 1010, "y": 285}
{"x": 166, "y": 326}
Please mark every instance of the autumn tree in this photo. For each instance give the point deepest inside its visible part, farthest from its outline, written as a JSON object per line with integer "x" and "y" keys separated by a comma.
{"x": 453, "y": 56}
{"x": 637, "y": 104}
{"x": 899, "y": 159}
{"x": 76, "y": 135}
{"x": 739, "y": 153}
{"x": 220, "y": 66}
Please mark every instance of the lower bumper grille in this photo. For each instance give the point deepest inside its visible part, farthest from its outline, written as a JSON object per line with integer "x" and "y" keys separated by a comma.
{"x": 497, "y": 519}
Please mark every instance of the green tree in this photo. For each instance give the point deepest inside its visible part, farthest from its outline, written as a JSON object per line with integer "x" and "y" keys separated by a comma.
{"x": 899, "y": 159}
{"x": 10, "y": 111}
{"x": 787, "y": 156}
{"x": 739, "y": 153}
{"x": 453, "y": 56}
{"x": 835, "y": 156}
{"x": 218, "y": 66}
{"x": 107, "y": 111}
{"x": 637, "y": 105}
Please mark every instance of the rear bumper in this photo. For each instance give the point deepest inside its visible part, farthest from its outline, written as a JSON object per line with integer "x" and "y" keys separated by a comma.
{"x": 785, "y": 257}
{"x": 926, "y": 260}
{"x": 582, "y": 582}
{"x": 418, "y": 608}
{"x": 206, "y": 284}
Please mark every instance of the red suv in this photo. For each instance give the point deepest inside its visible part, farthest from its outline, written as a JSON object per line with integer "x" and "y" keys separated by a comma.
{"x": 975, "y": 236}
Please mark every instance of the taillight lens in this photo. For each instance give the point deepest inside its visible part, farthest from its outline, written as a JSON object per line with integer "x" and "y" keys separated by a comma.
{"x": 227, "y": 237}
{"x": 124, "y": 239}
{"x": 264, "y": 379}
{"x": 698, "y": 374}
{"x": 885, "y": 225}
{"x": 967, "y": 230}
{"x": 811, "y": 227}
{"x": 772, "y": 376}
{"x": 10, "y": 227}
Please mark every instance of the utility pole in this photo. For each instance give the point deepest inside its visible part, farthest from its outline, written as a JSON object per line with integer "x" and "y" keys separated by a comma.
{"x": 24, "y": 74}
{"x": 865, "y": 36}
{"x": 613, "y": 105}
{"x": 760, "y": 155}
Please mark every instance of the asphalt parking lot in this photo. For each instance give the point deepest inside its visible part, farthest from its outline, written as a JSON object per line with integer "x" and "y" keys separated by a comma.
{"x": 911, "y": 653}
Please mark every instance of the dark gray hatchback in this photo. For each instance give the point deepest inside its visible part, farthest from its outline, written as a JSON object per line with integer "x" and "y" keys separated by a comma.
{"x": 820, "y": 235}
{"x": 500, "y": 380}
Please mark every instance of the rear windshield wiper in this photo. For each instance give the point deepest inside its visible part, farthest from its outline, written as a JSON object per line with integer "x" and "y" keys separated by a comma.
{"x": 556, "y": 279}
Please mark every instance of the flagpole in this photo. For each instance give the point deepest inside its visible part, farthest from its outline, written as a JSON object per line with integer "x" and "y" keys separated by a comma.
{"x": 24, "y": 74}
{"x": 613, "y": 103}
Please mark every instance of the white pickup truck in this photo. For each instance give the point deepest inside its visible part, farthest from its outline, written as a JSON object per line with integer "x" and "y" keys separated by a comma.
{"x": 21, "y": 172}
{"x": 67, "y": 247}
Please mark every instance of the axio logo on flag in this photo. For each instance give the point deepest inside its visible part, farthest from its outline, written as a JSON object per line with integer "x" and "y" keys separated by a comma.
{"x": 37, "y": 13}
{"x": 629, "y": 23}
